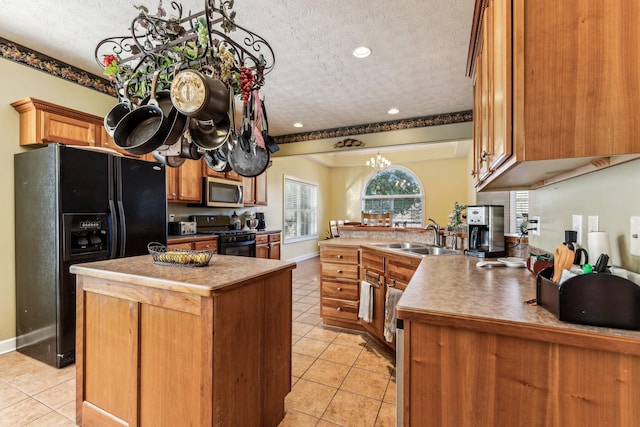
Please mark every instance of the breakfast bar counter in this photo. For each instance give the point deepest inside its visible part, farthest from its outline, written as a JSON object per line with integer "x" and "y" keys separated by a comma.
{"x": 161, "y": 345}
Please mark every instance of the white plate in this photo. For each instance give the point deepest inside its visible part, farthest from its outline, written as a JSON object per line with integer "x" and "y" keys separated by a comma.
{"x": 513, "y": 261}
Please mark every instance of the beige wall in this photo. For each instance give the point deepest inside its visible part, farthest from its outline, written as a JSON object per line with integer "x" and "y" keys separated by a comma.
{"x": 613, "y": 194}
{"x": 306, "y": 170}
{"x": 21, "y": 82}
{"x": 444, "y": 182}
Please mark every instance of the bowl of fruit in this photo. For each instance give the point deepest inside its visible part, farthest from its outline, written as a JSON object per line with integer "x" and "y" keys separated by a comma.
{"x": 179, "y": 257}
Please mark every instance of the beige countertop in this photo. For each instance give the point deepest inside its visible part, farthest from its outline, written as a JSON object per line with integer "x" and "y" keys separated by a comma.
{"x": 453, "y": 286}
{"x": 224, "y": 272}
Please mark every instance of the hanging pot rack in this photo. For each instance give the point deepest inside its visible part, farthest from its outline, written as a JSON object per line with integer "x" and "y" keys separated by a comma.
{"x": 157, "y": 42}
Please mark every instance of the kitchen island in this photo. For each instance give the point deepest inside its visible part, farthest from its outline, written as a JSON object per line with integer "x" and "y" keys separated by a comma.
{"x": 476, "y": 355}
{"x": 168, "y": 346}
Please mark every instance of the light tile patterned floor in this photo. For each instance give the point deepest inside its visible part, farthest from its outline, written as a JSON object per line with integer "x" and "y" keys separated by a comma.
{"x": 339, "y": 377}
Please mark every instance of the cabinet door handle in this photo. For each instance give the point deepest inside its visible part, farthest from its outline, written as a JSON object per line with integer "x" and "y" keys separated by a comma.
{"x": 339, "y": 289}
{"x": 339, "y": 271}
{"x": 485, "y": 154}
{"x": 339, "y": 309}
{"x": 339, "y": 256}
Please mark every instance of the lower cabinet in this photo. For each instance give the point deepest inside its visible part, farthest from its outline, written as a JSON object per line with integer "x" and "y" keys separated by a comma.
{"x": 268, "y": 245}
{"x": 193, "y": 243}
{"x": 342, "y": 269}
{"x": 340, "y": 274}
{"x": 373, "y": 271}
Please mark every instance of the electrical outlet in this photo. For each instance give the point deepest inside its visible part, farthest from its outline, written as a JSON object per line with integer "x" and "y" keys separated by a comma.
{"x": 534, "y": 226}
{"x": 576, "y": 224}
{"x": 634, "y": 236}
{"x": 593, "y": 223}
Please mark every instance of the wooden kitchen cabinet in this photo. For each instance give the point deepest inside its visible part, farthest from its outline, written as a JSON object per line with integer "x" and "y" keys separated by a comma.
{"x": 255, "y": 190}
{"x": 553, "y": 89}
{"x": 188, "y": 246}
{"x": 373, "y": 271}
{"x": 274, "y": 245}
{"x": 262, "y": 246}
{"x": 206, "y": 245}
{"x": 43, "y": 123}
{"x": 339, "y": 270}
{"x": 400, "y": 270}
{"x": 268, "y": 245}
{"x": 207, "y": 349}
{"x": 193, "y": 243}
{"x": 184, "y": 184}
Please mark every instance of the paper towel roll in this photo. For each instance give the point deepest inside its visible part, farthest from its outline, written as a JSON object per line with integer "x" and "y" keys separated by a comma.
{"x": 598, "y": 243}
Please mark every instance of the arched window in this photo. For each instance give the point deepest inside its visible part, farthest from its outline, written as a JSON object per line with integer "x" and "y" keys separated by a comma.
{"x": 397, "y": 190}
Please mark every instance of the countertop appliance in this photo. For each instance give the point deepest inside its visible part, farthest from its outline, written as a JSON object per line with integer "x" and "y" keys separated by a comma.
{"x": 75, "y": 205}
{"x": 262, "y": 221}
{"x": 486, "y": 231}
{"x": 230, "y": 242}
{"x": 183, "y": 228}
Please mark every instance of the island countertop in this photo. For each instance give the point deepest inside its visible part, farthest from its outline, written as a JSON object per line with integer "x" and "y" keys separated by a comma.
{"x": 223, "y": 273}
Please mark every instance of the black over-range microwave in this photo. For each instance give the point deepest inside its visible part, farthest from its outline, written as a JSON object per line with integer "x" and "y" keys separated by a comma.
{"x": 222, "y": 193}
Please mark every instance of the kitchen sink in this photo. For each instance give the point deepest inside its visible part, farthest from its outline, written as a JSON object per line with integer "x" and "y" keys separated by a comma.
{"x": 432, "y": 250}
{"x": 404, "y": 245}
{"x": 418, "y": 248}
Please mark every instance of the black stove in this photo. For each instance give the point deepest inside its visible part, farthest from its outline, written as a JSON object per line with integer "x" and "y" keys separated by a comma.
{"x": 230, "y": 242}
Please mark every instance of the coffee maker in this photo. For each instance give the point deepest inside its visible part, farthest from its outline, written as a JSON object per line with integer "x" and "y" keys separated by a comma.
{"x": 262, "y": 222}
{"x": 485, "y": 231}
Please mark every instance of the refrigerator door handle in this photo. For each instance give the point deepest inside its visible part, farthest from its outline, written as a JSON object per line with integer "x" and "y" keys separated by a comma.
{"x": 112, "y": 230}
{"x": 122, "y": 231}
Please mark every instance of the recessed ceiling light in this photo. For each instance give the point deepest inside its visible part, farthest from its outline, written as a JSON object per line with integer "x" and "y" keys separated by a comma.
{"x": 393, "y": 111}
{"x": 297, "y": 125}
{"x": 361, "y": 52}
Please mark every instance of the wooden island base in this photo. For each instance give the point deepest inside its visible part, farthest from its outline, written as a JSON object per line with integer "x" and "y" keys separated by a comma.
{"x": 168, "y": 350}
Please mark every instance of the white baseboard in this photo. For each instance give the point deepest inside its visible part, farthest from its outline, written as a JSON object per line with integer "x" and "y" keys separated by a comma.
{"x": 304, "y": 257}
{"x": 7, "y": 345}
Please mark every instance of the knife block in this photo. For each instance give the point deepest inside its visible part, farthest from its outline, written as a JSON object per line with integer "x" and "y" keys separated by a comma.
{"x": 597, "y": 299}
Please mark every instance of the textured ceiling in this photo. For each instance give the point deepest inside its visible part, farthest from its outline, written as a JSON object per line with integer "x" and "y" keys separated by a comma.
{"x": 417, "y": 65}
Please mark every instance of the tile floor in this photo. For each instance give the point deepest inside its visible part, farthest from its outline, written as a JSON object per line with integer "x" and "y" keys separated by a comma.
{"x": 339, "y": 377}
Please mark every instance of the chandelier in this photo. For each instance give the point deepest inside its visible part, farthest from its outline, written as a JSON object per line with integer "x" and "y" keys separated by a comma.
{"x": 378, "y": 163}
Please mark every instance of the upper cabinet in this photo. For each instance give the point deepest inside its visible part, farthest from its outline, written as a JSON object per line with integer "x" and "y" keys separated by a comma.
{"x": 556, "y": 89}
{"x": 43, "y": 123}
{"x": 184, "y": 184}
{"x": 255, "y": 190}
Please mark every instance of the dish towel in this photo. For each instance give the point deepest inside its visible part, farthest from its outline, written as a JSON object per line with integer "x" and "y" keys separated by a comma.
{"x": 393, "y": 295}
{"x": 365, "y": 311}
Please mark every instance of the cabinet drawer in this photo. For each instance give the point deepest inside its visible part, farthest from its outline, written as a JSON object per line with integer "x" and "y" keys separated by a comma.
{"x": 188, "y": 246}
{"x": 345, "y": 255}
{"x": 206, "y": 245}
{"x": 342, "y": 271}
{"x": 340, "y": 290}
{"x": 274, "y": 238}
{"x": 262, "y": 239}
{"x": 340, "y": 308}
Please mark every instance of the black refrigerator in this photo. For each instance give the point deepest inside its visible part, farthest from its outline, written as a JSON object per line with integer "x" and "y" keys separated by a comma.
{"x": 75, "y": 205}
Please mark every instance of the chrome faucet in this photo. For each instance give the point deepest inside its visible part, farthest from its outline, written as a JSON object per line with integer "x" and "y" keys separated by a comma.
{"x": 454, "y": 241}
{"x": 436, "y": 231}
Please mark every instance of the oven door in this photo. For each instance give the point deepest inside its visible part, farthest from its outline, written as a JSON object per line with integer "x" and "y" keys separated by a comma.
{"x": 238, "y": 248}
